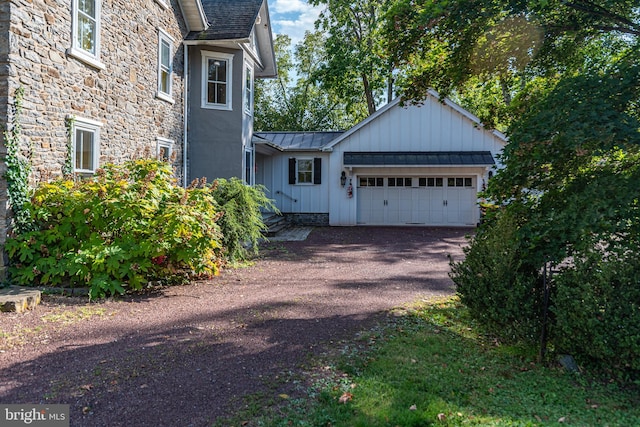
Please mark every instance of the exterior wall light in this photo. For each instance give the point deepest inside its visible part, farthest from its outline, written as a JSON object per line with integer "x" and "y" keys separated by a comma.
{"x": 343, "y": 178}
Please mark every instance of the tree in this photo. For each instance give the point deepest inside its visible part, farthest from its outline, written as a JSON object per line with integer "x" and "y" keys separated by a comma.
{"x": 295, "y": 100}
{"x": 356, "y": 66}
{"x": 446, "y": 44}
{"x": 568, "y": 75}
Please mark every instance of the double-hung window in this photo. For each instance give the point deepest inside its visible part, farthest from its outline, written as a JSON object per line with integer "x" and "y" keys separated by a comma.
{"x": 164, "y": 149}
{"x": 165, "y": 66}
{"x": 216, "y": 80}
{"x": 86, "y": 145}
{"x": 305, "y": 171}
{"x": 85, "y": 40}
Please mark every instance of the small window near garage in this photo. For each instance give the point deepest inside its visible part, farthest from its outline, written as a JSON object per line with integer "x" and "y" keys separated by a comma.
{"x": 371, "y": 181}
{"x": 164, "y": 149}
{"x": 431, "y": 182}
{"x": 86, "y": 145}
{"x": 305, "y": 171}
{"x": 459, "y": 182}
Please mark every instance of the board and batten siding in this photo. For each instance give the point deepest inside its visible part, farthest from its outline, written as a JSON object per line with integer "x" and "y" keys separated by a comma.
{"x": 433, "y": 126}
{"x": 297, "y": 198}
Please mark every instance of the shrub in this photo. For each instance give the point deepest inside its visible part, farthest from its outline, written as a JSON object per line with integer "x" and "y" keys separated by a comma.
{"x": 128, "y": 225}
{"x": 495, "y": 282}
{"x": 241, "y": 223}
{"x": 597, "y": 309}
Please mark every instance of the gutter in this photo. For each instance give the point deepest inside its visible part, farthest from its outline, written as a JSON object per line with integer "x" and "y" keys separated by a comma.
{"x": 185, "y": 117}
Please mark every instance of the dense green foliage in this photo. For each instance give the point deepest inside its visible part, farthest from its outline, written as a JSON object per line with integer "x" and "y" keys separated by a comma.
{"x": 241, "y": 222}
{"x": 563, "y": 79}
{"x": 357, "y": 68}
{"x": 18, "y": 169}
{"x": 126, "y": 227}
{"x": 296, "y": 100}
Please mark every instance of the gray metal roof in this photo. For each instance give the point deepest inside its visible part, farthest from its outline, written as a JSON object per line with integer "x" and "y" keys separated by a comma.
{"x": 419, "y": 158}
{"x": 228, "y": 19}
{"x": 297, "y": 141}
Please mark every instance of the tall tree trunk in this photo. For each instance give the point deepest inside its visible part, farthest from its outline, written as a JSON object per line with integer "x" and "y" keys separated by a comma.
{"x": 371, "y": 104}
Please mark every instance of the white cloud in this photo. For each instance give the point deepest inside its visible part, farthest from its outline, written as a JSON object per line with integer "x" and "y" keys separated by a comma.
{"x": 293, "y": 17}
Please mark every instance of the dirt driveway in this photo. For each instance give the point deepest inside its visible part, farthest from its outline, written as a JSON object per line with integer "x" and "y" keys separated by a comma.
{"x": 185, "y": 356}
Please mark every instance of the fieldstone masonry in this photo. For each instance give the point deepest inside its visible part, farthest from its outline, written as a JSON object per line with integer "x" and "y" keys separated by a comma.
{"x": 34, "y": 38}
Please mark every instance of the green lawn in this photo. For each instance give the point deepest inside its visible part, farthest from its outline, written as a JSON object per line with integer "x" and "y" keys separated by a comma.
{"x": 429, "y": 366}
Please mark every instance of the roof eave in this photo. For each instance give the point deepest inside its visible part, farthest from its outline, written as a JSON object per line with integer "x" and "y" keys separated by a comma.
{"x": 194, "y": 15}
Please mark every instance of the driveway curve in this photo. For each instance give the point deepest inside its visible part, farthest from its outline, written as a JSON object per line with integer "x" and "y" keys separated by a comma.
{"x": 187, "y": 355}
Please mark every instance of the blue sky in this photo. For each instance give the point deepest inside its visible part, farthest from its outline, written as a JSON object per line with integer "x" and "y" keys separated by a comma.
{"x": 292, "y": 17}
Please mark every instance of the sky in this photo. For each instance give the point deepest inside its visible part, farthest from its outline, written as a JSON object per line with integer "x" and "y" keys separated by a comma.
{"x": 292, "y": 17}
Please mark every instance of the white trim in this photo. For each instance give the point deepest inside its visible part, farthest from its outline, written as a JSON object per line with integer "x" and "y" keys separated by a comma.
{"x": 206, "y": 56}
{"x": 89, "y": 125}
{"x": 165, "y": 143}
{"x": 164, "y": 37}
{"x": 248, "y": 92}
{"x": 76, "y": 49}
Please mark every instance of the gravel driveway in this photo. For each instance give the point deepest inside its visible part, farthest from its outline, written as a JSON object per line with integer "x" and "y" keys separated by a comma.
{"x": 184, "y": 357}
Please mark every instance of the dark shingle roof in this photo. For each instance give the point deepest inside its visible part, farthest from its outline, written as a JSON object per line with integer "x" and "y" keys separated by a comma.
{"x": 419, "y": 158}
{"x": 228, "y": 19}
{"x": 298, "y": 140}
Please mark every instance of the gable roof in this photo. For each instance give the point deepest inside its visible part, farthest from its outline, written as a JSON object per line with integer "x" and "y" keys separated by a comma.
{"x": 396, "y": 102}
{"x": 228, "y": 19}
{"x": 296, "y": 141}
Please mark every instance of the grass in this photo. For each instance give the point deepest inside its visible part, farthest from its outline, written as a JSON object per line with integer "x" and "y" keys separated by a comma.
{"x": 430, "y": 366}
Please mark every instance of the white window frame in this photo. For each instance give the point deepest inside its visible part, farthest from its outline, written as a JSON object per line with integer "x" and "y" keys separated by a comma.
{"x": 76, "y": 50}
{"x": 164, "y": 144}
{"x": 206, "y": 56}
{"x": 164, "y": 37}
{"x": 248, "y": 88}
{"x": 298, "y": 161}
{"x": 88, "y": 125}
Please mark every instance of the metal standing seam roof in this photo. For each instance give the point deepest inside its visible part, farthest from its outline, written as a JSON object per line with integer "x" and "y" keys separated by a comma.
{"x": 419, "y": 158}
{"x": 299, "y": 141}
{"x": 228, "y": 19}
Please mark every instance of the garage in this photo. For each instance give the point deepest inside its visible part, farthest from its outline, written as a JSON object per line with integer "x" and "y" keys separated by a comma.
{"x": 417, "y": 200}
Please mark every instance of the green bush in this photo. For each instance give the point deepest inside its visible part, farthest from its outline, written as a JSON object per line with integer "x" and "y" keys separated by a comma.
{"x": 241, "y": 222}
{"x": 123, "y": 228}
{"x": 597, "y": 309}
{"x": 496, "y": 283}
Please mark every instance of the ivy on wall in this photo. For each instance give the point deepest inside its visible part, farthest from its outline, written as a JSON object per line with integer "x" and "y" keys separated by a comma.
{"x": 18, "y": 169}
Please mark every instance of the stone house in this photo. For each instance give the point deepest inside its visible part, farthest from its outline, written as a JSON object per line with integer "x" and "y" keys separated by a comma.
{"x": 109, "y": 80}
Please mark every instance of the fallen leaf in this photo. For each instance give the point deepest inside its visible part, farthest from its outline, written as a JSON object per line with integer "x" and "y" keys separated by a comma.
{"x": 346, "y": 396}
{"x": 353, "y": 386}
{"x": 284, "y": 396}
{"x": 538, "y": 418}
{"x": 441, "y": 417}
{"x": 562, "y": 419}
{"x": 413, "y": 407}
{"x": 86, "y": 387}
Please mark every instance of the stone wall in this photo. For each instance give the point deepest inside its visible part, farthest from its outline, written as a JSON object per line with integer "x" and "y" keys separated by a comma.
{"x": 311, "y": 219}
{"x": 34, "y": 38}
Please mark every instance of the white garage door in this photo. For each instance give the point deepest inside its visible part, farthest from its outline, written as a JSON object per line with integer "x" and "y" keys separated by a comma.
{"x": 422, "y": 200}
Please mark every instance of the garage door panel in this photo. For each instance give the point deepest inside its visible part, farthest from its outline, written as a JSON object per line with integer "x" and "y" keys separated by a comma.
{"x": 430, "y": 201}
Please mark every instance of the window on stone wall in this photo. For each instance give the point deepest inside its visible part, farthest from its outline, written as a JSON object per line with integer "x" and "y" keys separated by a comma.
{"x": 216, "y": 80}
{"x": 165, "y": 65}
{"x": 86, "y": 145}
{"x": 85, "y": 44}
{"x": 164, "y": 149}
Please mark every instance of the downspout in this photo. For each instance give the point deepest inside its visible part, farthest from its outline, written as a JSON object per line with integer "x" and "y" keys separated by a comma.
{"x": 185, "y": 120}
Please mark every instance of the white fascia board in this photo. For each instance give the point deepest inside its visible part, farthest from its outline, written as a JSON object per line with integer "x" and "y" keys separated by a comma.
{"x": 194, "y": 15}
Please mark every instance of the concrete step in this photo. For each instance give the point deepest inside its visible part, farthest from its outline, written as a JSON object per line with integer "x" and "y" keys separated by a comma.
{"x": 19, "y": 299}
